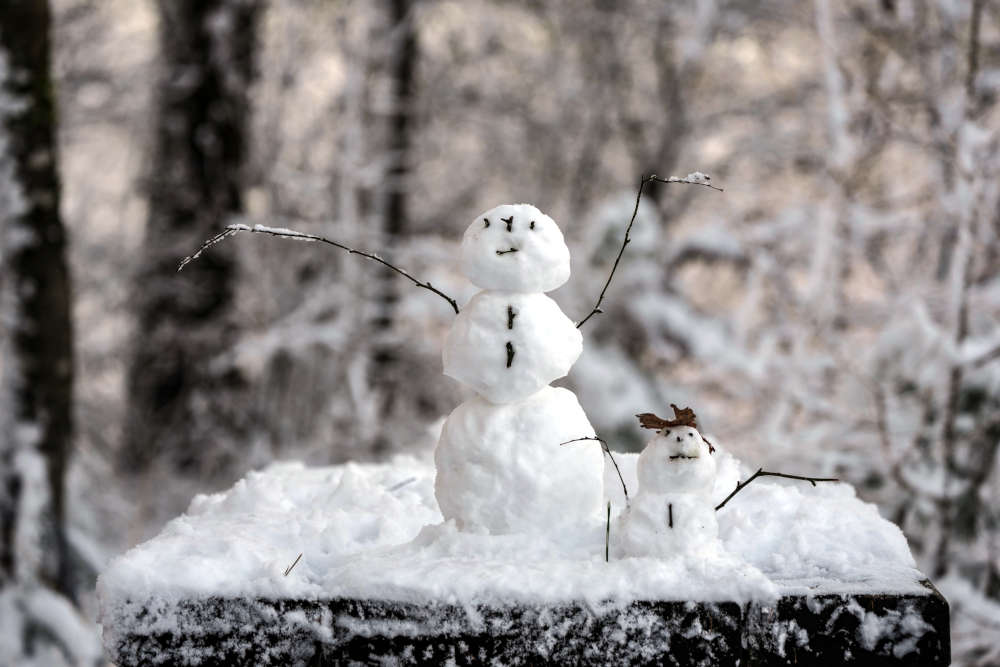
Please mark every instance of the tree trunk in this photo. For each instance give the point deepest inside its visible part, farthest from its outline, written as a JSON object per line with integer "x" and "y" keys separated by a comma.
{"x": 37, "y": 346}
{"x": 177, "y": 413}
{"x": 402, "y": 55}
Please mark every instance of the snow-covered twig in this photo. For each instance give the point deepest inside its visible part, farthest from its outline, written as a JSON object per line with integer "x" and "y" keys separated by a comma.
{"x": 694, "y": 178}
{"x": 607, "y": 450}
{"x": 285, "y": 233}
{"x": 763, "y": 473}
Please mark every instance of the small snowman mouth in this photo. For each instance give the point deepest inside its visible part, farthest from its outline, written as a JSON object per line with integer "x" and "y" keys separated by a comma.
{"x": 681, "y": 456}
{"x": 504, "y": 252}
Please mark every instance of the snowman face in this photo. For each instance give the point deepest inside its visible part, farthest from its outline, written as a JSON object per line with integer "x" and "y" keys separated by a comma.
{"x": 677, "y": 460}
{"x": 517, "y": 248}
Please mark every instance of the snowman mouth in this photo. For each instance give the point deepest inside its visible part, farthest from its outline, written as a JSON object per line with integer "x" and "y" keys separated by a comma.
{"x": 681, "y": 456}
{"x": 504, "y": 252}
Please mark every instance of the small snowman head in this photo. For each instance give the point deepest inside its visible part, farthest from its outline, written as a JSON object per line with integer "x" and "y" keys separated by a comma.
{"x": 515, "y": 247}
{"x": 678, "y": 459}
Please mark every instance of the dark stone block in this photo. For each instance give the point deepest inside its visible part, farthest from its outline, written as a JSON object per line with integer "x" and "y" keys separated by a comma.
{"x": 869, "y": 629}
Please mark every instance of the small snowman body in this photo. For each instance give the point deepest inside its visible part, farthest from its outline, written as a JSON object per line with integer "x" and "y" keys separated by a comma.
{"x": 672, "y": 513}
{"x": 500, "y": 466}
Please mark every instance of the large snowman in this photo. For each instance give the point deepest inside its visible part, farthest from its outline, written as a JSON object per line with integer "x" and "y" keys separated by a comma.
{"x": 500, "y": 466}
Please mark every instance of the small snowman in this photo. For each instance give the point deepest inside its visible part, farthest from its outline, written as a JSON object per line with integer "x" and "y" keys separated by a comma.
{"x": 672, "y": 513}
{"x": 500, "y": 468}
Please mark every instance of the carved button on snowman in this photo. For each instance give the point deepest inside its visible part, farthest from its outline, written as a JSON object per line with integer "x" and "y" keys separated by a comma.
{"x": 672, "y": 513}
{"x": 500, "y": 468}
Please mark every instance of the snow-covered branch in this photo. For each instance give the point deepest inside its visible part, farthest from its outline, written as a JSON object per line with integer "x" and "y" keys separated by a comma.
{"x": 285, "y": 233}
{"x": 694, "y": 178}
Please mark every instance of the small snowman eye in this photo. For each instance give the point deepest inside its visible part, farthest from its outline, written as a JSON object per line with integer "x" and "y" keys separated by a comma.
{"x": 690, "y": 435}
{"x": 532, "y": 225}
{"x": 666, "y": 433}
{"x": 487, "y": 221}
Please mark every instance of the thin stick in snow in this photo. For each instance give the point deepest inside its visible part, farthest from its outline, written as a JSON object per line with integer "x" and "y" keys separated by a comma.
{"x": 607, "y": 450}
{"x": 399, "y": 485}
{"x": 763, "y": 473}
{"x": 285, "y": 233}
{"x": 289, "y": 568}
{"x": 694, "y": 178}
{"x": 607, "y": 536}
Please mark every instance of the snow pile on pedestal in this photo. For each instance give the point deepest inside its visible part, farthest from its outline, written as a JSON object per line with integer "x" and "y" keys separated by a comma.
{"x": 374, "y": 532}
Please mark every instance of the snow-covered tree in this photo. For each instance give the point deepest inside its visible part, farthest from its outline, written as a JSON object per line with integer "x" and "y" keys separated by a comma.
{"x": 38, "y": 621}
{"x": 181, "y": 409}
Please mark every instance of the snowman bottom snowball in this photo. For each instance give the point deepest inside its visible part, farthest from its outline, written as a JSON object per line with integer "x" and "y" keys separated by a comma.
{"x": 501, "y": 468}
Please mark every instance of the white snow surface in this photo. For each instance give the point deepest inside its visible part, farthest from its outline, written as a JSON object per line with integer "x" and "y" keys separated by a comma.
{"x": 374, "y": 530}
{"x": 515, "y": 247}
{"x": 545, "y": 345}
{"x": 503, "y": 469}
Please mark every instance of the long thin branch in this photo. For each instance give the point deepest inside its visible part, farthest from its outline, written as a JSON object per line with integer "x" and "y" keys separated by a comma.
{"x": 281, "y": 232}
{"x": 763, "y": 473}
{"x": 695, "y": 178}
{"x": 607, "y": 450}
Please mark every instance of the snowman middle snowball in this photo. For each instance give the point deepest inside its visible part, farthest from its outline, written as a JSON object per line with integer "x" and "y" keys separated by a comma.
{"x": 500, "y": 464}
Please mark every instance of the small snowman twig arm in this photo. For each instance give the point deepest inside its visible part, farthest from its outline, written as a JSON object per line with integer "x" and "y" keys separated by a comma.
{"x": 281, "y": 232}
{"x": 763, "y": 473}
{"x": 695, "y": 178}
{"x": 607, "y": 450}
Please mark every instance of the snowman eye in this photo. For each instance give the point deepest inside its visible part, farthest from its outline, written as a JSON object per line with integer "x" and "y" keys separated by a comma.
{"x": 532, "y": 225}
{"x": 690, "y": 435}
{"x": 666, "y": 433}
{"x": 487, "y": 221}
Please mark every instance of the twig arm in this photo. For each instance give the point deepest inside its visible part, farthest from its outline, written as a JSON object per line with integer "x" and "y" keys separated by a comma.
{"x": 281, "y": 232}
{"x": 607, "y": 450}
{"x": 764, "y": 473}
{"x": 696, "y": 178}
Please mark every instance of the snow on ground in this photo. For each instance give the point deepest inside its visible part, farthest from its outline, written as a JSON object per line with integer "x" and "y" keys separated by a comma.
{"x": 374, "y": 530}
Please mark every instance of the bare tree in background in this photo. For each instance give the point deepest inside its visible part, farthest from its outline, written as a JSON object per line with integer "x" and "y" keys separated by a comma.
{"x": 185, "y": 320}
{"x": 39, "y": 369}
{"x": 401, "y": 57}
{"x": 36, "y": 351}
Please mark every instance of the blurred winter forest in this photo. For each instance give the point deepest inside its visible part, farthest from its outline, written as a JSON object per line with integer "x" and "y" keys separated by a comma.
{"x": 836, "y": 311}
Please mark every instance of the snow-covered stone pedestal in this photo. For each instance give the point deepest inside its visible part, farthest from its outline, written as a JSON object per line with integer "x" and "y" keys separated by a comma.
{"x": 805, "y": 576}
{"x": 859, "y": 629}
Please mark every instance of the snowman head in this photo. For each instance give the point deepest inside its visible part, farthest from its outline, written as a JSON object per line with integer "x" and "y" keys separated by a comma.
{"x": 677, "y": 460}
{"x": 515, "y": 247}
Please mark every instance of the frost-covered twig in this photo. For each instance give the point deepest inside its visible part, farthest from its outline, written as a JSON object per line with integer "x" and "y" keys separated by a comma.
{"x": 285, "y": 233}
{"x": 694, "y": 178}
{"x": 607, "y": 450}
{"x": 763, "y": 473}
